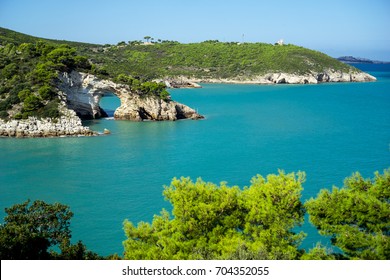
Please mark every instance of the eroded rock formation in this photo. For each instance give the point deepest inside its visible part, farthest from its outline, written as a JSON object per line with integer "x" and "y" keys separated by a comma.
{"x": 83, "y": 92}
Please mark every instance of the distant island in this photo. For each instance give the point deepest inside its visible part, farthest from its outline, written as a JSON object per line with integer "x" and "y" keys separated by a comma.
{"x": 47, "y": 87}
{"x": 352, "y": 60}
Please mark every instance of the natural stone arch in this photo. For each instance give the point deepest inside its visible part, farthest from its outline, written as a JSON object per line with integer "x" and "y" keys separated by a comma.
{"x": 83, "y": 92}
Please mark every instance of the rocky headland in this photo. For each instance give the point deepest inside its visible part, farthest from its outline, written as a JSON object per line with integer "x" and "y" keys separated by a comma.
{"x": 353, "y": 60}
{"x": 80, "y": 94}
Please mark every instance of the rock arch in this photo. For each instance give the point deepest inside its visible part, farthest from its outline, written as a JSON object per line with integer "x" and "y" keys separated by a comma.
{"x": 83, "y": 92}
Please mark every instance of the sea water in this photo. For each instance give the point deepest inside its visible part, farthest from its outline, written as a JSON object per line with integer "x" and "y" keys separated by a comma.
{"x": 327, "y": 130}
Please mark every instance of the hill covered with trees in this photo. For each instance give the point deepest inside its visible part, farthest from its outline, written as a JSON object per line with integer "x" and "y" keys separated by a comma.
{"x": 208, "y": 59}
{"x": 211, "y": 59}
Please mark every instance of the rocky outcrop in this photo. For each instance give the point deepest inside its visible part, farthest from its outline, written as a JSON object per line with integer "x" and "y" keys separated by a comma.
{"x": 83, "y": 92}
{"x": 337, "y": 76}
{"x": 180, "y": 83}
{"x": 67, "y": 125}
{"x": 137, "y": 108}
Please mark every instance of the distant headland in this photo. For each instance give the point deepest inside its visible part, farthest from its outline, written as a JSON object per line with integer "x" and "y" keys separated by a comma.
{"x": 352, "y": 60}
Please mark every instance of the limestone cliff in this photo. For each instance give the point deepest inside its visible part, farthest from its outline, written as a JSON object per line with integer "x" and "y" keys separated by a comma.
{"x": 83, "y": 92}
{"x": 329, "y": 75}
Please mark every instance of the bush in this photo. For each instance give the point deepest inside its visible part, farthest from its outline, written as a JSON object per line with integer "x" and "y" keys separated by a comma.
{"x": 50, "y": 110}
{"x": 32, "y": 103}
{"x": 9, "y": 70}
{"x": 46, "y": 92}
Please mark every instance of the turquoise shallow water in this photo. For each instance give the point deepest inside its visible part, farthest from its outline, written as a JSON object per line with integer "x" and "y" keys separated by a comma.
{"x": 327, "y": 130}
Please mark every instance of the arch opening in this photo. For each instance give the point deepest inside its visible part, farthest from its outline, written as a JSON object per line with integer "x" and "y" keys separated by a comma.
{"x": 108, "y": 103}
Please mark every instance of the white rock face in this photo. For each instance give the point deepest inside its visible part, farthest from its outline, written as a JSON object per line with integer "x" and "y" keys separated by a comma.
{"x": 67, "y": 125}
{"x": 286, "y": 78}
{"x": 83, "y": 92}
{"x": 138, "y": 108}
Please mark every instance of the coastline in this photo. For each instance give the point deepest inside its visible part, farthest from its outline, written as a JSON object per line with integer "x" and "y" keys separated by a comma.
{"x": 329, "y": 76}
{"x": 69, "y": 124}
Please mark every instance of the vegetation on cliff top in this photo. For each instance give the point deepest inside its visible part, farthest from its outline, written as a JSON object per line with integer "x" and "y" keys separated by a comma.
{"x": 28, "y": 77}
{"x": 211, "y": 59}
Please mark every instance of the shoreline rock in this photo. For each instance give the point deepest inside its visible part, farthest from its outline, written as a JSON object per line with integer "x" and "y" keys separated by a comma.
{"x": 186, "y": 83}
{"x": 140, "y": 108}
{"x": 66, "y": 125}
{"x": 328, "y": 76}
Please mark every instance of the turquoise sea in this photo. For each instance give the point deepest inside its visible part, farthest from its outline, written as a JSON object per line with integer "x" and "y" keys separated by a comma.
{"x": 326, "y": 130}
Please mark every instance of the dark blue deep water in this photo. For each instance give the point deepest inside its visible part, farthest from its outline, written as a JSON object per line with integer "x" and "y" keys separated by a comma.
{"x": 326, "y": 130}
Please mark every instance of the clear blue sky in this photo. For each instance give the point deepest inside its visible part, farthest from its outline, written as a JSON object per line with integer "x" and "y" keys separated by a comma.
{"x": 336, "y": 27}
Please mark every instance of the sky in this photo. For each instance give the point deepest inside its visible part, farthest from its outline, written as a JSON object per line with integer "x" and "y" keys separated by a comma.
{"x": 360, "y": 28}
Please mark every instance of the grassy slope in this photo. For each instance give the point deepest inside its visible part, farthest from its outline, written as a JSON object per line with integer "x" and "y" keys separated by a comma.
{"x": 212, "y": 60}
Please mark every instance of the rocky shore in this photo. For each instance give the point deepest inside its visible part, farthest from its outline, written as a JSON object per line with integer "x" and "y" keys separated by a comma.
{"x": 329, "y": 76}
{"x": 139, "y": 108}
{"x": 67, "y": 125}
{"x": 180, "y": 83}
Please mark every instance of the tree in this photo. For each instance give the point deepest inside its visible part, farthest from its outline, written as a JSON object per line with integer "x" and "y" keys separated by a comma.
{"x": 147, "y": 38}
{"x": 32, "y": 103}
{"x": 357, "y": 216}
{"x": 9, "y": 70}
{"x": 221, "y": 222}
{"x": 30, "y": 231}
{"x": 319, "y": 252}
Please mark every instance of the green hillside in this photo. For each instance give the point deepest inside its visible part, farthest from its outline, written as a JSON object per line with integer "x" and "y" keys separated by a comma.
{"x": 211, "y": 59}
{"x": 17, "y": 38}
